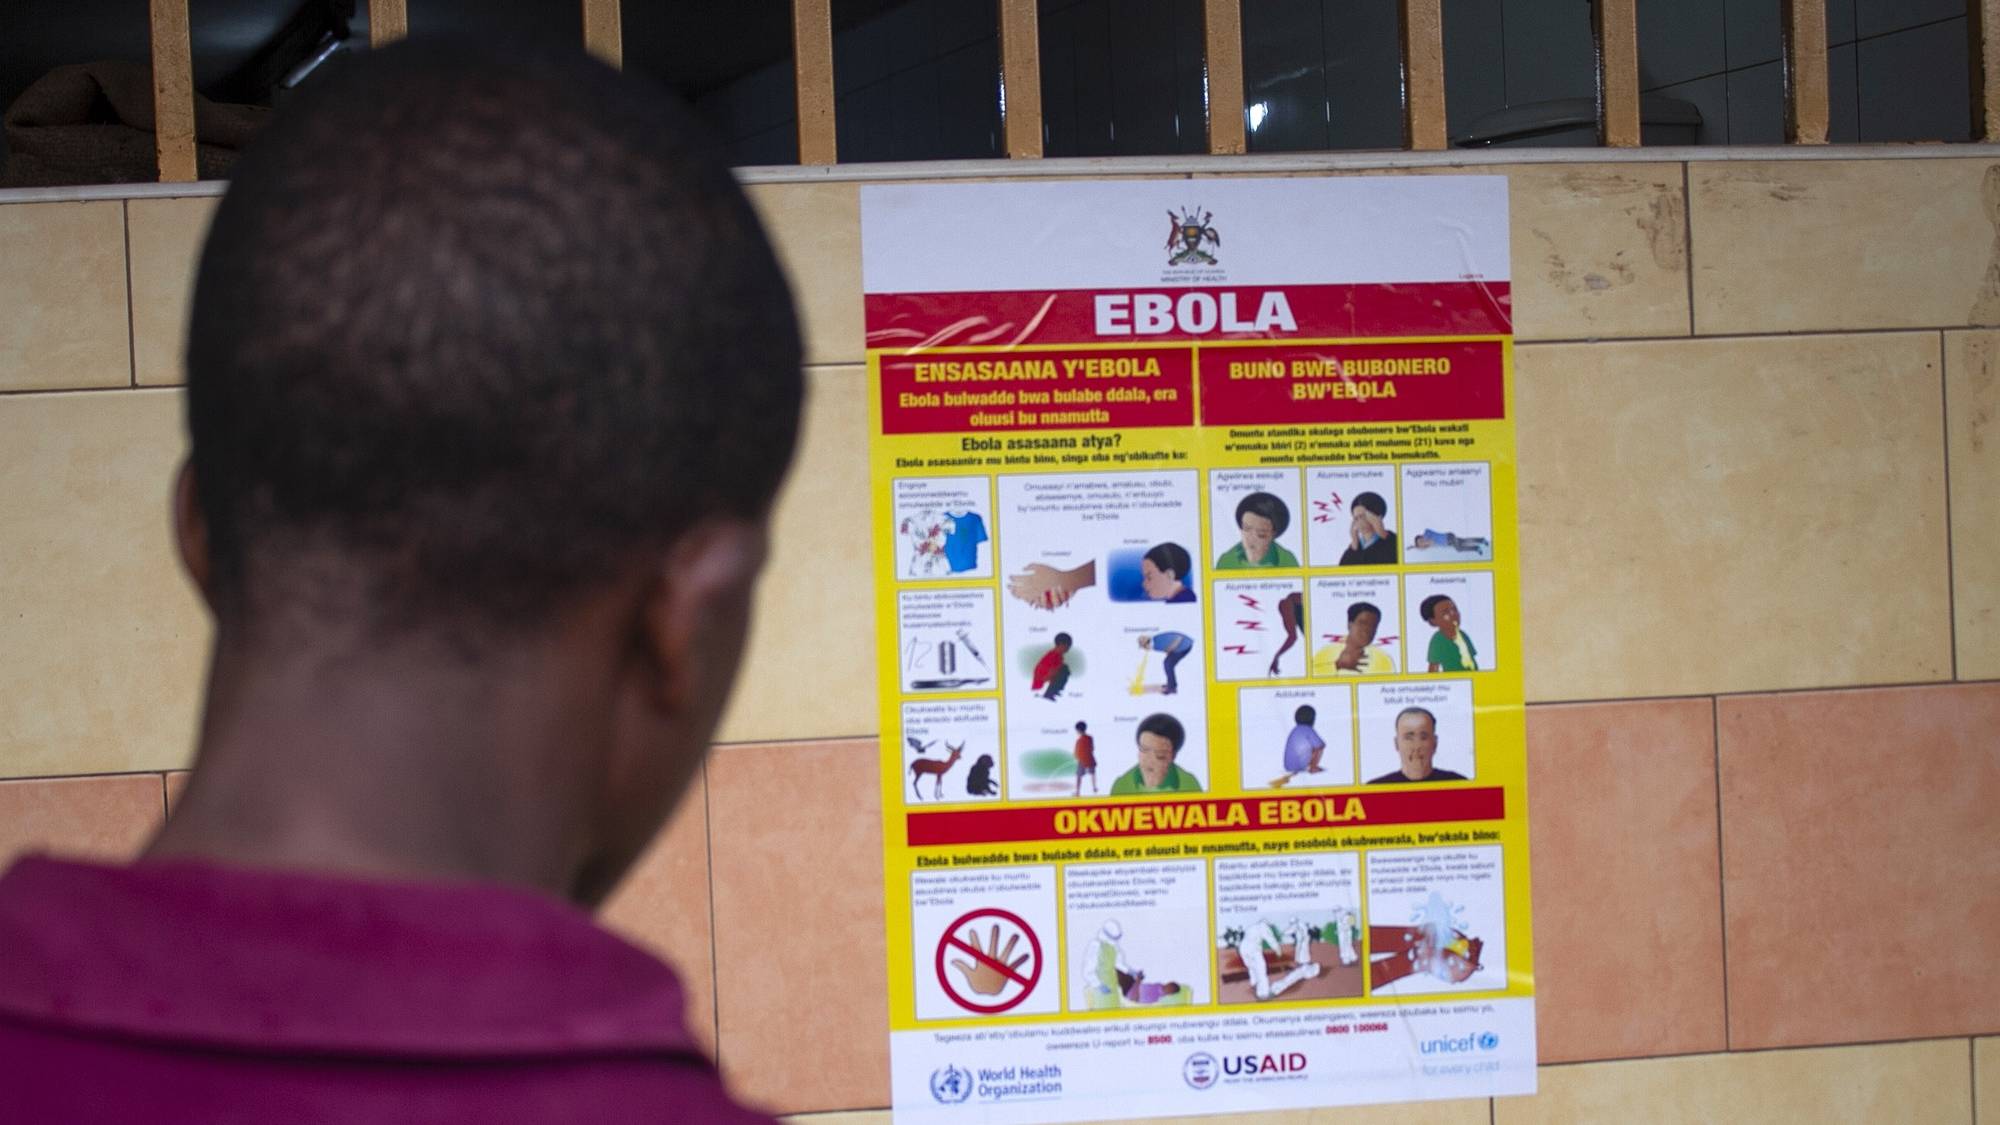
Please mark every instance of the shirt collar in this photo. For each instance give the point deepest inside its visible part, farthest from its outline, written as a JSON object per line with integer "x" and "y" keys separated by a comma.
{"x": 298, "y": 962}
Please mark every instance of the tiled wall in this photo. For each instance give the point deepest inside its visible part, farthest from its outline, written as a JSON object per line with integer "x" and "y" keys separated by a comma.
{"x": 1761, "y": 532}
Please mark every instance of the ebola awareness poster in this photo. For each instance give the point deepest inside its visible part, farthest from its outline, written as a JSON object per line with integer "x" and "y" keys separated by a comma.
{"x": 1197, "y": 584}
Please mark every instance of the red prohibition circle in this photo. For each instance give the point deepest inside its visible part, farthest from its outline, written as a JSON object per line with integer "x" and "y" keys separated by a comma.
{"x": 950, "y": 941}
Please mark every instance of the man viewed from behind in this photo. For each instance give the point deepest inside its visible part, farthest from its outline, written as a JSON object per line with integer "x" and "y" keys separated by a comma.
{"x": 492, "y": 379}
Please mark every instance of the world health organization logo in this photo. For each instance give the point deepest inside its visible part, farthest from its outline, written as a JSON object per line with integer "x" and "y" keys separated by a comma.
{"x": 1201, "y": 1070}
{"x": 951, "y": 1085}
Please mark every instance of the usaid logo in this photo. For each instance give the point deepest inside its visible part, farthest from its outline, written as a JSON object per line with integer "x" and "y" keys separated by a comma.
{"x": 1460, "y": 1044}
{"x": 1252, "y": 1066}
{"x": 1200, "y": 1070}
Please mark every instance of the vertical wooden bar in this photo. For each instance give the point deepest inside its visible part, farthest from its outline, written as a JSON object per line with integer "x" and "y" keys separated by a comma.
{"x": 1222, "y": 74}
{"x": 1020, "y": 78}
{"x": 1805, "y": 72}
{"x": 1617, "y": 26}
{"x": 173, "y": 92}
{"x": 812, "y": 80}
{"x": 388, "y": 21}
{"x": 604, "y": 31}
{"x": 1985, "y": 69}
{"x": 1423, "y": 75}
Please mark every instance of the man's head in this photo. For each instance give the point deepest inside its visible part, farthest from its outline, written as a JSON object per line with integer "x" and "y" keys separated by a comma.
{"x": 1369, "y": 511}
{"x": 1305, "y": 716}
{"x": 1261, "y": 517}
{"x": 1081, "y": 726}
{"x": 1062, "y": 642}
{"x": 1363, "y": 619}
{"x": 1163, "y": 570}
{"x": 486, "y": 345}
{"x": 1416, "y": 741}
{"x": 1160, "y": 736}
{"x": 1441, "y": 612}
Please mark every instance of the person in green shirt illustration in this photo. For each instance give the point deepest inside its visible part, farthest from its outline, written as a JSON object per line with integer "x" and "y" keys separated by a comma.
{"x": 1159, "y": 737}
{"x": 1451, "y": 649}
{"x": 1261, "y": 518}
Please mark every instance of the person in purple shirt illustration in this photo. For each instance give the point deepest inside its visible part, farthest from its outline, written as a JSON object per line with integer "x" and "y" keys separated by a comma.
{"x": 492, "y": 378}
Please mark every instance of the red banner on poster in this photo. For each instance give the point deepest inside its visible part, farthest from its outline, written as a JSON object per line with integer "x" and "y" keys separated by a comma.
{"x": 957, "y": 392}
{"x": 1348, "y": 383}
{"x": 1171, "y": 818}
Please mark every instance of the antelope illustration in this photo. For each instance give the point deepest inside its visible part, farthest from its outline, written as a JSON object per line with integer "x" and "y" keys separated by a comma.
{"x": 933, "y": 769}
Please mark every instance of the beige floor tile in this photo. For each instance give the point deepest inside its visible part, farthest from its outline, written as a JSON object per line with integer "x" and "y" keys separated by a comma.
{"x": 88, "y": 817}
{"x": 166, "y": 246}
{"x": 1711, "y": 516}
{"x": 1972, "y": 405}
{"x": 1925, "y": 1082}
{"x": 63, "y": 289}
{"x": 810, "y": 668}
{"x": 102, "y": 641}
{"x": 1986, "y": 1080}
{"x": 1859, "y": 846}
{"x": 795, "y": 830}
{"x": 663, "y": 904}
{"x": 1628, "y": 881}
{"x": 817, "y": 230}
{"x": 1600, "y": 250}
{"x": 1830, "y": 245}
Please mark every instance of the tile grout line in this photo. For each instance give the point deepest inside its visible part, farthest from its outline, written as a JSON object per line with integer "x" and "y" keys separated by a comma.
{"x": 123, "y": 388}
{"x": 1582, "y": 701}
{"x": 1721, "y": 874}
{"x": 714, "y": 975}
{"x": 1740, "y": 1052}
{"x": 1972, "y": 1060}
{"x": 1950, "y": 564}
{"x": 1687, "y": 238}
{"x": 131, "y": 310}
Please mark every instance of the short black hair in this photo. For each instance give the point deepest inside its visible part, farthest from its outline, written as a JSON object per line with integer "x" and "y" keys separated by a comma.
{"x": 1268, "y": 506}
{"x": 1429, "y": 605}
{"x": 1305, "y": 715}
{"x": 1171, "y": 556}
{"x": 473, "y": 326}
{"x": 1062, "y": 639}
{"x": 1372, "y": 502}
{"x": 1164, "y": 725}
{"x": 1359, "y": 608}
{"x": 1081, "y": 726}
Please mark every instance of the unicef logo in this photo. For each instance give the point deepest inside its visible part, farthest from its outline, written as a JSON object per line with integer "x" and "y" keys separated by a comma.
{"x": 1488, "y": 1040}
{"x": 1201, "y": 1070}
{"x": 951, "y": 1085}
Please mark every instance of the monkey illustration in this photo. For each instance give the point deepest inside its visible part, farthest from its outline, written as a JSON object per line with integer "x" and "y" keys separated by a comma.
{"x": 980, "y": 781}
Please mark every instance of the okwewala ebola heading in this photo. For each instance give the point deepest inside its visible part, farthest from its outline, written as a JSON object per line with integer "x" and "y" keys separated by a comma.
{"x": 1198, "y": 642}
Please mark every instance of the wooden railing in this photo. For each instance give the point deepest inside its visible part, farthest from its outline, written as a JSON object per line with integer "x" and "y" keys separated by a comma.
{"x": 1615, "y": 26}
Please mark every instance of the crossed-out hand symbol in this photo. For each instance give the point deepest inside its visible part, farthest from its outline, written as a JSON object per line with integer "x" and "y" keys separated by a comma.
{"x": 987, "y": 978}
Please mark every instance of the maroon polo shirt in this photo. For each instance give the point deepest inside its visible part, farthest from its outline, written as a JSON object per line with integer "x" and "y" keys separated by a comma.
{"x": 188, "y": 992}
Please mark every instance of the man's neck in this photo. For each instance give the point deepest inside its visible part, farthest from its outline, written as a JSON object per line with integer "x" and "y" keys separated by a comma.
{"x": 389, "y": 764}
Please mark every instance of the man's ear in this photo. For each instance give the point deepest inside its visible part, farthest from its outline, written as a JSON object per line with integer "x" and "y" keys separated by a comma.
{"x": 191, "y": 532}
{"x": 697, "y": 613}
